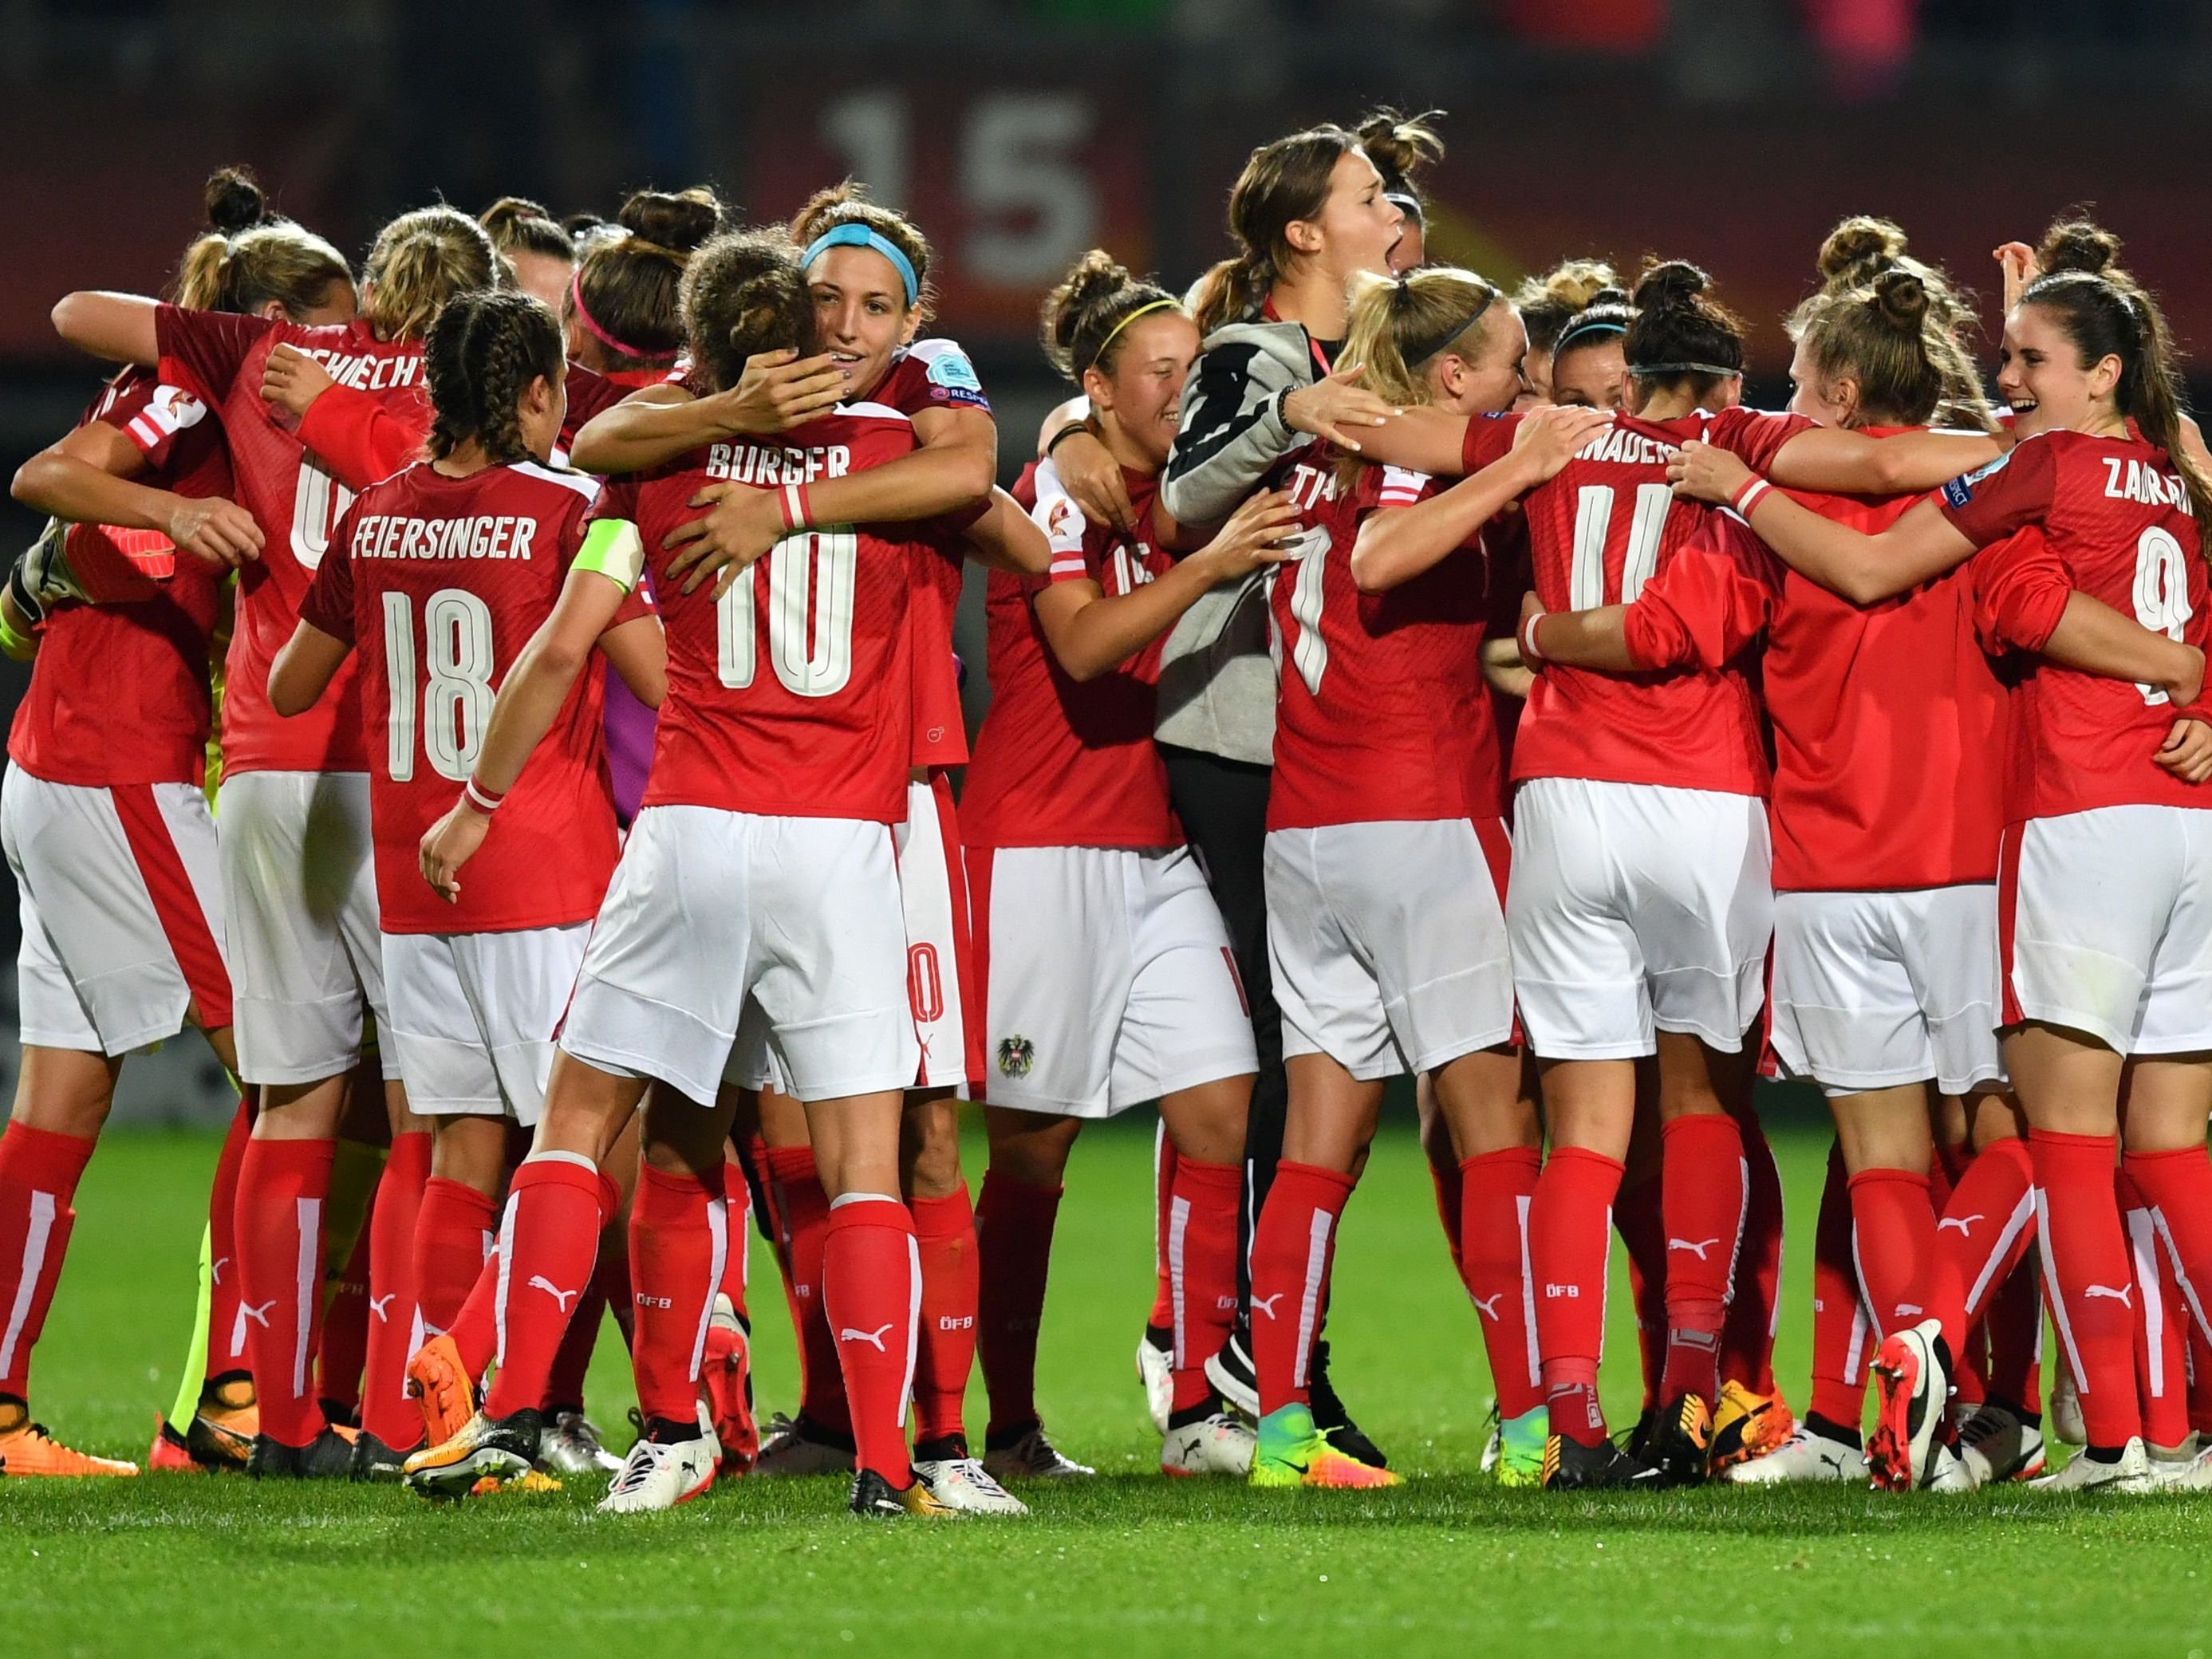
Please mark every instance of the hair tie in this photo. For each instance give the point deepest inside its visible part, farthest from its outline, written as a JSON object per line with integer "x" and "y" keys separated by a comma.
{"x": 1721, "y": 369}
{"x": 1114, "y": 333}
{"x": 853, "y": 234}
{"x": 585, "y": 317}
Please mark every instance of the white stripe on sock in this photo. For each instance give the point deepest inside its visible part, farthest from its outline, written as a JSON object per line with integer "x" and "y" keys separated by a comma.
{"x": 1522, "y": 1203}
{"x": 499, "y": 1284}
{"x": 307, "y": 1279}
{"x": 2181, "y": 1276}
{"x": 718, "y": 1230}
{"x": 1310, "y": 1299}
{"x": 2009, "y": 1231}
{"x": 2142, "y": 1246}
{"x": 1855, "y": 1356}
{"x": 2058, "y": 1287}
{"x": 1178, "y": 1220}
{"x": 44, "y": 1206}
{"x": 913, "y": 1324}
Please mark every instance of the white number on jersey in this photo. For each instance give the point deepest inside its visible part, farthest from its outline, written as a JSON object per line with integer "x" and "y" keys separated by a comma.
{"x": 2161, "y": 591}
{"x": 810, "y": 570}
{"x": 1593, "y": 518}
{"x": 318, "y": 503}
{"x": 456, "y": 633}
{"x": 1310, "y": 654}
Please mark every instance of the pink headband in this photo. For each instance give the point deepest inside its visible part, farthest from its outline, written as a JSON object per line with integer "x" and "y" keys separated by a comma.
{"x": 584, "y": 316}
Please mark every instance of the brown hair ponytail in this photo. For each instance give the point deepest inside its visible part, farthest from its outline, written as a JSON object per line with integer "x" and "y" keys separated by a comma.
{"x": 1083, "y": 318}
{"x": 1680, "y": 334}
{"x": 250, "y": 256}
{"x": 483, "y": 351}
{"x": 627, "y": 288}
{"x": 742, "y": 293}
{"x": 420, "y": 260}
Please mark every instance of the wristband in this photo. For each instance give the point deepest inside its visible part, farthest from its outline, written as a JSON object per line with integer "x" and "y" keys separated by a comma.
{"x": 1747, "y": 496}
{"x": 798, "y": 510}
{"x": 1283, "y": 408}
{"x": 1530, "y": 655}
{"x": 1065, "y": 433}
{"x": 482, "y": 799}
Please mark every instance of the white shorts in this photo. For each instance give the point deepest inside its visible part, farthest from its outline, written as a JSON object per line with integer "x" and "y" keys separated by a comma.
{"x": 2105, "y": 926}
{"x": 1108, "y": 978}
{"x": 1635, "y": 908}
{"x": 1873, "y": 990}
{"x": 473, "y": 1016}
{"x": 1387, "y": 942}
{"x": 940, "y": 948}
{"x": 711, "y": 910}
{"x": 299, "y": 884}
{"x": 122, "y": 912}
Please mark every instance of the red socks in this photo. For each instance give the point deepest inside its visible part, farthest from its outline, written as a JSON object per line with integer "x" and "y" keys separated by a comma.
{"x": 2085, "y": 1266}
{"x": 2161, "y": 1363}
{"x": 1568, "y": 1221}
{"x": 1843, "y": 1336}
{"x": 2177, "y": 1186}
{"x": 1164, "y": 1169}
{"x": 454, "y": 1234}
{"x": 738, "y": 1196}
{"x": 225, "y": 1332}
{"x": 678, "y": 1245}
{"x": 282, "y": 1187}
{"x": 1013, "y": 1240}
{"x": 1980, "y": 1237}
{"x": 1496, "y": 1191}
{"x": 39, "y": 1174}
{"x": 549, "y": 1242}
{"x": 1201, "y": 1261}
{"x": 1643, "y": 1229}
{"x": 341, "y": 1329}
{"x": 1447, "y": 1182}
{"x": 944, "y": 1344}
{"x": 386, "y": 1410}
{"x": 871, "y": 1290}
{"x": 805, "y": 1208}
{"x": 1755, "y": 1300}
{"x": 1293, "y": 1249}
{"x": 1706, "y": 1187}
{"x": 1893, "y": 1236}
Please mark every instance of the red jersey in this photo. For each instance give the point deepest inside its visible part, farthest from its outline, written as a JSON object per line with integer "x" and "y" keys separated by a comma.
{"x": 2066, "y": 512}
{"x": 119, "y": 693}
{"x": 792, "y": 694}
{"x": 590, "y": 392}
{"x": 1600, "y": 529}
{"x": 1062, "y": 762}
{"x": 439, "y": 583}
{"x": 296, "y": 499}
{"x": 1888, "y": 719}
{"x": 1382, "y": 703}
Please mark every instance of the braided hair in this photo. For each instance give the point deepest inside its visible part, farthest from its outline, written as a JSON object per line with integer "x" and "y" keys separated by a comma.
{"x": 483, "y": 352}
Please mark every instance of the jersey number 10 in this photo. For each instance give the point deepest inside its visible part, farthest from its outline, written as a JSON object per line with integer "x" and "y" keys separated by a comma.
{"x": 811, "y": 575}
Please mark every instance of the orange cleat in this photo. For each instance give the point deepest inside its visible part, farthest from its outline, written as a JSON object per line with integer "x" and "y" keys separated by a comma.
{"x": 29, "y": 1449}
{"x": 169, "y": 1454}
{"x": 221, "y": 1434}
{"x": 439, "y": 1385}
{"x": 1747, "y": 1425}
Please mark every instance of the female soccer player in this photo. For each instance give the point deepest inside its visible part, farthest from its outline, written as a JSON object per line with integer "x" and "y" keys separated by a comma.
{"x": 1545, "y": 304}
{"x": 1385, "y": 861}
{"x": 1638, "y": 907}
{"x": 106, "y": 828}
{"x": 542, "y": 255}
{"x": 299, "y": 895}
{"x": 2099, "y": 920}
{"x": 1107, "y": 980}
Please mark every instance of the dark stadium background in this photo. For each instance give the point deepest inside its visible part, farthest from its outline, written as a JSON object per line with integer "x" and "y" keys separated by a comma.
{"x": 1020, "y": 134}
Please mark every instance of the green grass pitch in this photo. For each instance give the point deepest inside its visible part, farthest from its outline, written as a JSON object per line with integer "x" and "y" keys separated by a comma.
{"x": 1128, "y": 1564}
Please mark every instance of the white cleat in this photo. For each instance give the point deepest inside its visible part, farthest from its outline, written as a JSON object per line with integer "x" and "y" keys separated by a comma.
{"x": 2132, "y": 1474}
{"x": 660, "y": 1475}
{"x": 2193, "y": 1473}
{"x": 1947, "y": 1471}
{"x": 571, "y": 1445}
{"x": 2064, "y": 1416}
{"x": 1997, "y": 1446}
{"x": 1156, "y": 1370}
{"x": 961, "y": 1483}
{"x": 788, "y": 1450}
{"x": 1807, "y": 1456}
{"x": 1912, "y": 1389}
{"x": 1215, "y": 1444}
{"x": 1033, "y": 1457}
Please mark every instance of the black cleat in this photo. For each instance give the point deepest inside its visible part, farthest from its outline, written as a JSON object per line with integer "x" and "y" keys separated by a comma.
{"x": 1681, "y": 1436}
{"x": 1570, "y": 1466}
{"x": 328, "y": 1457}
{"x": 486, "y": 1454}
{"x": 1330, "y": 1417}
{"x": 875, "y": 1498}
{"x": 374, "y": 1461}
{"x": 1232, "y": 1373}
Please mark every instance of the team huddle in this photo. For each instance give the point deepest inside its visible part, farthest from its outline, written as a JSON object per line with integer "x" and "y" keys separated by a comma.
{"x": 506, "y": 699}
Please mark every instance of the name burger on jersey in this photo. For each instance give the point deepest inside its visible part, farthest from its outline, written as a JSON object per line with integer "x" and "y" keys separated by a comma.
{"x": 760, "y": 465}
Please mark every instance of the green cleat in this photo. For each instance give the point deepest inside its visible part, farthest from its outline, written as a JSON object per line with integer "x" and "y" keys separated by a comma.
{"x": 1521, "y": 1448}
{"x": 1292, "y": 1452}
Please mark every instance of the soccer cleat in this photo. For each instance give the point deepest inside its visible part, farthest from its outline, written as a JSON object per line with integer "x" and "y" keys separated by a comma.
{"x": 964, "y": 1485}
{"x": 1030, "y": 1456}
{"x": 442, "y": 1389}
{"x": 1291, "y": 1450}
{"x": 797, "y": 1447}
{"x": 1231, "y": 1370}
{"x": 1156, "y": 1371}
{"x": 1333, "y": 1419}
{"x": 1808, "y": 1456}
{"x": 373, "y": 1460}
{"x": 571, "y": 1445}
{"x": 1997, "y": 1446}
{"x": 169, "y": 1454}
{"x": 2190, "y": 1473}
{"x": 1570, "y": 1466}
{"x": 2065, "y": 1414}
{"x": 27, "y": 1449}
{"x": 220, "y": 1433}
{"x": 1747, "y": 1426}
{"x": 1520, "y": 1455}
{"x": 728, "y": 1367}
{"x": 2130, "y": 1473}
{"x": 875, "y": 1498}
{"x": 1217, "y": 1443}
{"x": 1912, "y": 1388}
{"x": 486, "y": 1455}
{"x": 659, "y": 1474}
{"x": 328, "y": 1457}
{"x": 1946, "y": 1470}
{"x": 1681, "y": 1437}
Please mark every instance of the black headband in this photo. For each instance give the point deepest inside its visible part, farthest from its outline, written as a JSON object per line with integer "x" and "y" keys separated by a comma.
{"x": 1421, "y": 351}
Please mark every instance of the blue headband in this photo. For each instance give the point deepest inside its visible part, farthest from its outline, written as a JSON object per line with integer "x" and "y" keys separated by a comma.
{"x": 850, "y": 235}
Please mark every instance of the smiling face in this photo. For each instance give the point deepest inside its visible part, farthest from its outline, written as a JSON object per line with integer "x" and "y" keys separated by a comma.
{"x": 1357, "y": 227}
{"x": 1141, "y": 401}
{"x": 1487, "y": 381}
{"x": 860, "y": 312}
{"x": 2043, "y": 381}
{"x": 1593, "y": 375}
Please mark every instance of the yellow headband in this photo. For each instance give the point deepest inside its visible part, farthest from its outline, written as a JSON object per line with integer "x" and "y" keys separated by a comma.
{"x": 1113, "y": 334}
